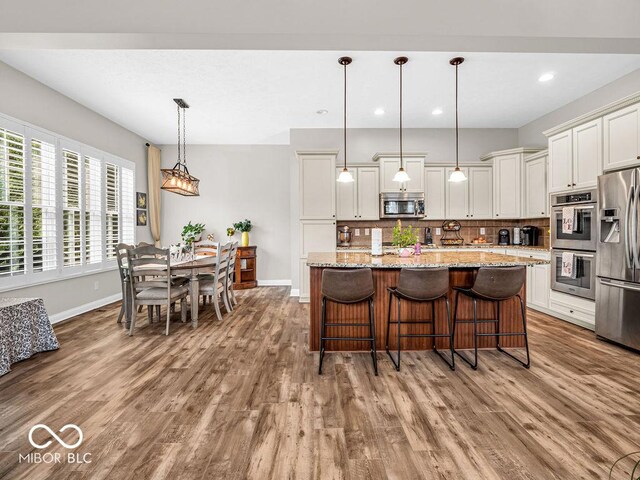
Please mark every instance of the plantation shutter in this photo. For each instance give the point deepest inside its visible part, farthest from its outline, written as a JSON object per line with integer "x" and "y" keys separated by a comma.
{"x": 43, "y": 205}
{"x": 93, "y": 210}
{"x": 12, "y": 203}
{"x": 128, "y": 206}
{"x": 112, "y": 210}
{"x": 71, "y": 222}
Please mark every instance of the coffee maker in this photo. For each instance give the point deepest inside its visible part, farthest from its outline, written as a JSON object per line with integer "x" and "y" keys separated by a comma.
{"x": 503, "y": 236}
{"x": 516, "y": 236}
{"x": 530, "y": 235}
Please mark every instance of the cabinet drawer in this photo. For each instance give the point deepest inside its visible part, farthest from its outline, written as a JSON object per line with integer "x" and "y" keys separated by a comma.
{"x": 247, "y": 253}
{"x": 572, "y": 312}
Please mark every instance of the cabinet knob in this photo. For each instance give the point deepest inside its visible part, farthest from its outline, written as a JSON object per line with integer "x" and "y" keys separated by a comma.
{"x": 497, "y": 215}
{"x": 472, "y": 215}
{"x": 638, "y": 157}
{"x": 574, "y": 184}
{"x": 568, "y": 184}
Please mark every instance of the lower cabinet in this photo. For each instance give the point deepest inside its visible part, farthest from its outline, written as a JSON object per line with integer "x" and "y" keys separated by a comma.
{"x": 315, "y": 236}
{"x": 538, "y": 281}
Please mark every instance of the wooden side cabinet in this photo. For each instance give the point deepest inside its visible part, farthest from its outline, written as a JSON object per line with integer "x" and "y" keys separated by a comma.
{"x": 245, "y": 273}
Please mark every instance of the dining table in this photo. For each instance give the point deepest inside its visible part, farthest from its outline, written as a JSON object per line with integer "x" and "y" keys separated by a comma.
{"x": 190, "y": 268}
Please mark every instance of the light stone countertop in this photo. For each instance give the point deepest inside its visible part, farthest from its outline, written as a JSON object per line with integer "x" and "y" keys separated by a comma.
{"x": 346, "y": 259}
{"x": 386, "y": 248}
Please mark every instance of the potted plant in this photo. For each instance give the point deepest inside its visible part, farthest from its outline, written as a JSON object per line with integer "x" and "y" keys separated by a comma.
{"x": 245, "y": 227}
{"x": 403, "y": 238}
{"x": 192, "y": 233}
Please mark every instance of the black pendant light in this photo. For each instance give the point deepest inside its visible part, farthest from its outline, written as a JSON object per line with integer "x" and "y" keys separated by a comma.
{"x": 401, "y": 175}
{"x": 457, "y": 175}
{"x": 178, "y": 179}
{"x": 345, "y": 175}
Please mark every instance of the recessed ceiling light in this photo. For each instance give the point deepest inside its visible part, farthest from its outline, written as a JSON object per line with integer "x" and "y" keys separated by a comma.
{"x": 436, "y": 111}
{"x": 545, "y": 77}
{"x": 322, "y": 111}
{"x": 379, "y": 111}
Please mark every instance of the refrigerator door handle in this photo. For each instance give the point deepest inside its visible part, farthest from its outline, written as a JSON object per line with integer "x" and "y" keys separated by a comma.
{"x": 634, "y": 244}
{"x": 623, "y": 285}
{"x": 628, "y": 247}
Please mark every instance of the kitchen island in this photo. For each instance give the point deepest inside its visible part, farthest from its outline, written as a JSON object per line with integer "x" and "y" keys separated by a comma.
{"x": 463, "y": 267}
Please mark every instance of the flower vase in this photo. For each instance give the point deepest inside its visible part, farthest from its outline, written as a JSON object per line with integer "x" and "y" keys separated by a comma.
{"x": 245, "y": 239}
{"x": 405, "y": 252}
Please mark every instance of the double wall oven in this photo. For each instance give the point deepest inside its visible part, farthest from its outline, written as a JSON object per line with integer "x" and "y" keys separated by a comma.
{"x": 581, "y": 242}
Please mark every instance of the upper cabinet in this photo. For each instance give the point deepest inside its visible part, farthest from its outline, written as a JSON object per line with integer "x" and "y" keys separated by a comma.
{"x": 622, "y": 138}
{"x": 472, "y": 198}
{"x": 575, "y": 157}
{"x": 358, "y": 200}
{"x": 536, "y": 202}
{"x": 389, "y": 165}
{"x": 317, "y": 186}
{"x": 435, "y": 193}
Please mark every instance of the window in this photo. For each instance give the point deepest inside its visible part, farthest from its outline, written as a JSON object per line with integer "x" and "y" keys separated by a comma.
{"x": 64, "y": 206}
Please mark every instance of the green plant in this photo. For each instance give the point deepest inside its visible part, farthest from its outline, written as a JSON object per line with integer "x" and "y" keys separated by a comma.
{"x": 191, "y": 232}
{"x": 404, "y": 237}
{"x": 231, "y": 231}
{"x": 243, "y": 226}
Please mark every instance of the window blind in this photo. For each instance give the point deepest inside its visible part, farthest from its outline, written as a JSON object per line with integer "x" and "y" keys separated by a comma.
{"x": 128, "y": 206}
{"x": 93, "y": 210}
{"x": 43, "y": 205}
{"x": 112, "y": 210}
{"x": 12, "y": 203}
{"x": 71, "y": 223}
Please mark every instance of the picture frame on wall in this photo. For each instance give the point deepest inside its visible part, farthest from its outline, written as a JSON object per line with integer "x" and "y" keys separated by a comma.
{"x": 141, "y": 218}
{"x": 141, "y": 200}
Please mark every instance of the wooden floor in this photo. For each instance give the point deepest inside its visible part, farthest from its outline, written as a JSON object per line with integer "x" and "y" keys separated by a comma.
{"x": 241, "y": 398}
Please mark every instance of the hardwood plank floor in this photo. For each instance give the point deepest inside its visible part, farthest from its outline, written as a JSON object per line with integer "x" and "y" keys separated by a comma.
{"x": 241, "y": 398}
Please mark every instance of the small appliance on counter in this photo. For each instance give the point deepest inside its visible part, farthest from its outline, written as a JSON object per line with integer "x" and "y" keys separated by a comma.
{"x": 428, "y": 237}
{"x": 376, "y": 241}
{"x": 530, "y": 235}
{"x": 516, "y": 236}
{"x": 344, "y": 236}
{"x": 503, "y": 237}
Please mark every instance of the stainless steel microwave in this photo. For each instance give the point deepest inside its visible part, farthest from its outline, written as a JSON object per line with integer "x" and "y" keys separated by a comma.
{"x": 402, "y": 205}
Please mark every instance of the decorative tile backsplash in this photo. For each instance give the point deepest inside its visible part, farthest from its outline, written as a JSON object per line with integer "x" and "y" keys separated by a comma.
{"x": 470, "y": 229}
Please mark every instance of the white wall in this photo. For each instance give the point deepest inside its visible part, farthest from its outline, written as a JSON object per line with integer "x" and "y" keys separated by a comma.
{"x": 363, "y": 143}
{"x": 236, "y": 182}
{"x": 26, "y": 99}
{"x": 530, "y": 135}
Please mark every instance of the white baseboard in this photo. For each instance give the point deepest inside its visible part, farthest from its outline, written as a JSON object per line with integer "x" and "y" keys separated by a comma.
{"x": 72, "y": 312}
{"x": 295, "y": 292}
{"x": 274, "y": 283}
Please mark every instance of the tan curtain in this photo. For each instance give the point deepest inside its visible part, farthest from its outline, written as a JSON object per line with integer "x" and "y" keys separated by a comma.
{"x": 153, "y": 180}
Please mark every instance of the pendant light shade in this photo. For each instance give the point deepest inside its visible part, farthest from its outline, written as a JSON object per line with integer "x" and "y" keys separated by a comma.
{"x": 457, "y": 175}
{"x": 345, "y": 175}
{"x": 178, "y": 179}
{"x": 401, "y": 175}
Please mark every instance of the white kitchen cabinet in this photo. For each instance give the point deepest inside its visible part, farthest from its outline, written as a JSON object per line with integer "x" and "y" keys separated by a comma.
{"x": 507, "y": 186}
{"x": 621, "y": 132}
{"x": 358, "y": 200}
{"x": 368, "y": 185}
{"x": 435, "y": 193}
{"x": 389, "y": 165}
{"x": 315, "y": 236}
{"x": 561, "y": 162}
{"x": 535, "y": 186}
{"x": 587, "y": 154}
{"x": 480, "y": 181}
{"x": 538, "y": 281}
{"x": 317, "y": 186}
{"x": 457, "y": 196}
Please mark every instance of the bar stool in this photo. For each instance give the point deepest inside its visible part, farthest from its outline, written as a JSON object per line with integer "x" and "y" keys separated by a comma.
{"x": 494, "y": 284}
{"x": 421, "y": 285}
{"x": 348, "y": 287}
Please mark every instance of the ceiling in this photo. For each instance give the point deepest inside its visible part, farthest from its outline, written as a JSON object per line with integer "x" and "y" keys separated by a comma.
{"x": 255, "y": 97}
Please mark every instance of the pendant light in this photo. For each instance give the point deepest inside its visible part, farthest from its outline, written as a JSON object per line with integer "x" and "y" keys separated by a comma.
{"x": 401, "y": 176}
{"x": 345, "y": 175}
{"x": 178, "y": 179}
{"x": 457, "y": 175}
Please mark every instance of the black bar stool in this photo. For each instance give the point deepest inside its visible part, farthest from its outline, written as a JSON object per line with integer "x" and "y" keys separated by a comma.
{"x": 421, "y": 285}
{"x": 494, "y": 284}
{"x": 348, "y": 287}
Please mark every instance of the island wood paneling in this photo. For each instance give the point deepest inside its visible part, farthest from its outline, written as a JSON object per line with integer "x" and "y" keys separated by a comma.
{"x": 386, "y": 277}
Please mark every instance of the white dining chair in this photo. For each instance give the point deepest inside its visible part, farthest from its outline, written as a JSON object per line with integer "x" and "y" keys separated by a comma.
{"x": 213, "y": 286}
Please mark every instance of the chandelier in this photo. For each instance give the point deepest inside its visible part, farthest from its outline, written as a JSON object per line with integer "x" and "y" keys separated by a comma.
{"x": 178, "y": 179}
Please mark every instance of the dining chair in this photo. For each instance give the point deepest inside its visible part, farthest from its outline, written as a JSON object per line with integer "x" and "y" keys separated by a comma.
{"x": 214, "y": 286}
{"x": 229, "y": 291}
{"x": 151, "y": 283}
{"x": 205, "y": 247}
{"x": 121, "y": 257}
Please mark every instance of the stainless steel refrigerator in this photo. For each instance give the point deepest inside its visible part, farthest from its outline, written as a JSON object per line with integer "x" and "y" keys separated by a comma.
{"x": 618, "y": 258}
